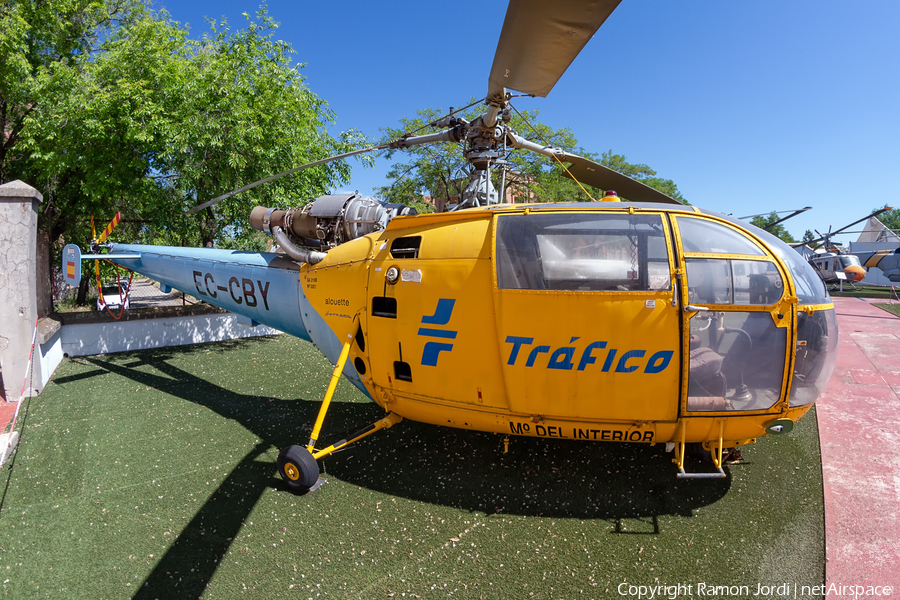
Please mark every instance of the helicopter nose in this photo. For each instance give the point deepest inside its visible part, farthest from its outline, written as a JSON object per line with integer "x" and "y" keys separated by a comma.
{"x": 855, "y": 273}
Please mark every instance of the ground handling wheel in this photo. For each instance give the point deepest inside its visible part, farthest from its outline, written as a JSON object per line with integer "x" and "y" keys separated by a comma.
{"x": 298, "y": 468}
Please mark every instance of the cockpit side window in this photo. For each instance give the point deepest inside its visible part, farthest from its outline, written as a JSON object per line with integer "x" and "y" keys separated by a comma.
{"x": 582, "y": 252}
{"x": 700, "y": 235}
{"x": 728, "y": 281}
{"x": 808, "y": 286}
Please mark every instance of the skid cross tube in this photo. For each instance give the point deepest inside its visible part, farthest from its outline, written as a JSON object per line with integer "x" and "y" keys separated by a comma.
{"x": 389, "y": 421}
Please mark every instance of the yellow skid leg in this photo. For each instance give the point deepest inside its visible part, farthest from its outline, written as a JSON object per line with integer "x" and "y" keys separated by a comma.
{"x": 323, "y": 410}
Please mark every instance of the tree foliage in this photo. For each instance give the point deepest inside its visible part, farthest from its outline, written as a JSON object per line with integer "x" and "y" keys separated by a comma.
{"x": 245, "y": 114}
{"x": 106, "y": 105}
{"x": 440, "y": 170}
{"x": 777, "y": 230}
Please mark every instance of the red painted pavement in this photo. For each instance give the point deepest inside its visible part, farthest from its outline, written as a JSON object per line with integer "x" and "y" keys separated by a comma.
{"x": 7, "y": 409}
{"x": 859, "y": 428}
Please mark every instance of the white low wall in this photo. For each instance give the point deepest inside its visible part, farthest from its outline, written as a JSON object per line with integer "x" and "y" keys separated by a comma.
{"x": 123, "y": 336}
{"x": 51, "y": 356}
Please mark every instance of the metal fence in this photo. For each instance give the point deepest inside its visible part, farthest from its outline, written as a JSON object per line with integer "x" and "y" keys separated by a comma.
{"x": 143, "y": 293}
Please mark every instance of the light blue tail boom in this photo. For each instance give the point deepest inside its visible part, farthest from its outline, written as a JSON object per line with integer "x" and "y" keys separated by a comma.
{"x": 262, "y": 286}
{"x": 246, "y": 283}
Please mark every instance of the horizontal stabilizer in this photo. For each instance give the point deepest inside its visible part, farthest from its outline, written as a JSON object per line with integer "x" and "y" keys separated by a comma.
{"x": 72, "y": 257}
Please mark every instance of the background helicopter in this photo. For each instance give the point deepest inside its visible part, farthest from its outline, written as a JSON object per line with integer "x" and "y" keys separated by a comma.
{"x": 836, "y": 267}
{"x": 644, "y": 322}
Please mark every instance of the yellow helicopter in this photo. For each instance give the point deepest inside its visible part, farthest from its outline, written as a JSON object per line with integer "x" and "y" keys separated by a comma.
{"x": 645, "y": 321}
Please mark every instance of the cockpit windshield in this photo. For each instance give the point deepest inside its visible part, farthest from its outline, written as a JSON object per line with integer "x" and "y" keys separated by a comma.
{"x": 849, "y": 260}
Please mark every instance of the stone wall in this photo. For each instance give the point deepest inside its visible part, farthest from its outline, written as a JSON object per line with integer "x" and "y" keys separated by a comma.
{"x": 18, "y": 292}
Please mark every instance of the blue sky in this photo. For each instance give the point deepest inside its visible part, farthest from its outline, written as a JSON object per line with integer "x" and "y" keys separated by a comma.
{"x": 748, "y": 106}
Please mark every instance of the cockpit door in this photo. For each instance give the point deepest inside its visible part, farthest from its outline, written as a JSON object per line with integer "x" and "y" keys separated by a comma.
{"x": 737, "y": 317}
{"x": 586, "y": 314}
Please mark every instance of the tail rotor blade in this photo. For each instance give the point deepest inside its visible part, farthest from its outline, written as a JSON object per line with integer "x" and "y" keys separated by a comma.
{"x": 109, "y": 228}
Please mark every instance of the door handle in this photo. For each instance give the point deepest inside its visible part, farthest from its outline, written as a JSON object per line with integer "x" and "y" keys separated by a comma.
{"x": 692, "y": 308}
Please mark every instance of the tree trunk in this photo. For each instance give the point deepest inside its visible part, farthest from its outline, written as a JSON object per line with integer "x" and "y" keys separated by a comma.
{"x": 43, "y": 276}
{"x": 208, "y": 228}
{"x": 83, "y": 288}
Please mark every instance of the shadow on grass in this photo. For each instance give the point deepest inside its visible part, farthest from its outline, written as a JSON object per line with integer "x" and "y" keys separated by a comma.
{"x": 630, "y": 486}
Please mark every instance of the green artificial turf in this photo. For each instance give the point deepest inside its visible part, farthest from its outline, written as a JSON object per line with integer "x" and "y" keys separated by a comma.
{"x": 865, "y": 291}
{"x": 893, "y": 308}
{"x": 152, "y": 475}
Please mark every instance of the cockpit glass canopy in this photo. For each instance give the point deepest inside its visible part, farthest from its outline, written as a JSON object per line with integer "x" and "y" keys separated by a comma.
{"x": 700, "y": 235}
{"x": 809, "y": 287}
{"x": 817, "y": 340}
{"x": 849, "y": 260}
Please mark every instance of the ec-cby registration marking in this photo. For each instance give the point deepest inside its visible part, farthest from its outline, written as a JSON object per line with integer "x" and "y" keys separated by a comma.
{"x": 242, "y": 290}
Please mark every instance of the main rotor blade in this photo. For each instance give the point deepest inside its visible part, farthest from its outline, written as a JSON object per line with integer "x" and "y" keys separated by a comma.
{"x": 250, "y": 186}
{"x": 596, "y": 175}
{"x": 539, "y": 41}
{"x": 837, "y": 231}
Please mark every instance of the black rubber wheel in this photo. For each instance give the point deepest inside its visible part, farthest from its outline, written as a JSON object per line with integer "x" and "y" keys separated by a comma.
{"x": 298, "y": 468}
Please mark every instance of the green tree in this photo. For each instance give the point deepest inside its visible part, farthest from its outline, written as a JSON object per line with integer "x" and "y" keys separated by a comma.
{"x": 808, "y": 236}
{"x": 440, "y": 170}
{"x": 37, "y": 38}
{"x": 777, "y": 230}
{"x": 244, "y": 112}
{"x": 43, "y": 47}
{"x": 106, "y": 105}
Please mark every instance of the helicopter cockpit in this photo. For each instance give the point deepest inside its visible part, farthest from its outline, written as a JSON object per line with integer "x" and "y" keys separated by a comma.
{"x": 735, "y": 291}
{"x": 737, "y": 351}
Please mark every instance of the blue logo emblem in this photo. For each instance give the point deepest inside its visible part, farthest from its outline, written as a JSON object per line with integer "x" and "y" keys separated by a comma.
{"x": 441, "y": 316}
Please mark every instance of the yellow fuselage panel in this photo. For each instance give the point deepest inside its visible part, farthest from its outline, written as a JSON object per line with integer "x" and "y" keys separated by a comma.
{"x": 336, "y": 287}
{"x": 596, "y": 355}
{"x": 738, "y": 429}
{"x": 439, "y": 321}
